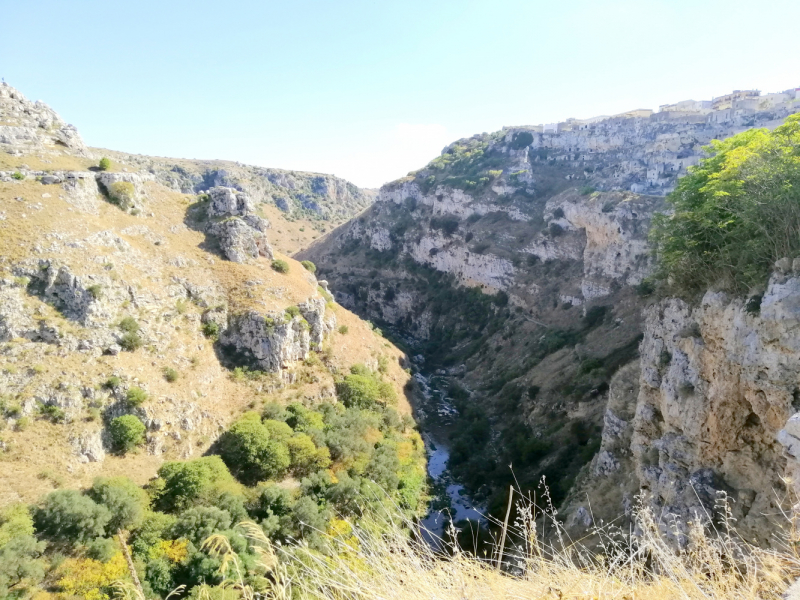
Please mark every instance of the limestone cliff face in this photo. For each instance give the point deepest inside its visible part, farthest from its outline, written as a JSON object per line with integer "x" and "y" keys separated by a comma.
{"x": 718, "y": 383}
{"x": 513, "y": 265}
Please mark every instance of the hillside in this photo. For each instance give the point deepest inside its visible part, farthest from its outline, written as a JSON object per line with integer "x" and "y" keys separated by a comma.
{"x": 516, "y": 268}
{"x": 146, "y": 329}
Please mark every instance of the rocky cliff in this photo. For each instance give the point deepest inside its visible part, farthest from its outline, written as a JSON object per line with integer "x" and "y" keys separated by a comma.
{"x": 515, "y": 266}
{"x": 121, "y": 296}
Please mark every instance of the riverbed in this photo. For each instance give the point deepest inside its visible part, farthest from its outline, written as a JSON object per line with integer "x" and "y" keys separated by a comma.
{"x": 438, "y": 413}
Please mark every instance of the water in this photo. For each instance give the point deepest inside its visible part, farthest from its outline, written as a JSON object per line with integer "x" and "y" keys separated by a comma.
{"x": 438, "y": 414}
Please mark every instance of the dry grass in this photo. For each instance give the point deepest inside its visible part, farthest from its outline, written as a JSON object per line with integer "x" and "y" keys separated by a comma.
{"x": 379, "y": 560}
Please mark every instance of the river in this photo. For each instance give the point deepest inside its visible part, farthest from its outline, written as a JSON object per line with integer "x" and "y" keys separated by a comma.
{"x": 437, "y": 414}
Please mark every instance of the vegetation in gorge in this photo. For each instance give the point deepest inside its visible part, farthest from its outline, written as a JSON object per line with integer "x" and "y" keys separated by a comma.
{"x": 294, "y": 470}
{"x": 735, "y": 213}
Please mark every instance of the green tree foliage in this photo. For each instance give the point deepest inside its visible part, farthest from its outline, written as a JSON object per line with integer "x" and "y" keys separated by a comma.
{"x": 126, "y": 501}
{"x": 135, "y": 397}
{"x": 127, "y": 432}
{"x": 364, "y": 389}
{"x": 309, "y": 266}
{"x": 20, "y": 562}
{"x": 69, "y": 516}
{"x": 196, "y": 524}
{"x": 250, "y": 451}
{"x": 15, "y": 521}
{"x": 735, "y": 213}
{"x": 104, "y": 164}
{"x": 102, "y": 549}
{"x": 306, "y": 457}
{"x": 199, "y": 481}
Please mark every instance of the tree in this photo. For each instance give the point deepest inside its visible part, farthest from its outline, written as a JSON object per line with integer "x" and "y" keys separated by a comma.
{"x": 306, "y": 457}
{"x": 20, "y": 561}
{"x": 182, "y": 484}
{"x": 127, "y": 432}
{"x": 196, "y": 524}
{"x": 69, "y": 516}
{"x": 365, "y": 391}
{"x": 250, "y": 451}
{"x": 125, "y": 500}
{"x": 104, "y": 164}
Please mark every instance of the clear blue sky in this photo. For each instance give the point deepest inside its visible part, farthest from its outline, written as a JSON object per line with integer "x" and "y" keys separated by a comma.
{"x": 371, "y": 90}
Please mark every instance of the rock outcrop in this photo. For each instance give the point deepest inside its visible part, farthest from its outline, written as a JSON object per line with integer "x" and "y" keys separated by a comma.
{"x": 718, "y": 384}
{"x": 276, "y": 340}
{"x": 240, "y": 234}
{"x": 30, "y": 125}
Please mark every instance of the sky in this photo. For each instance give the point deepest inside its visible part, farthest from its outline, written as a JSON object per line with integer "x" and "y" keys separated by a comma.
{"x": 370, "y": 90}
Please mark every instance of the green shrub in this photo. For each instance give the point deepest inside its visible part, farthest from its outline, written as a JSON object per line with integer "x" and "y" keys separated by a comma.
{"x": 343, "y": 329}
{"x": 104, "y": 164}
{"x": 170, "y": 374}
{"x": 135, "y": 397}
{"x": 127, "y": 432}
{"x": 53, "y": 413}
{"x": 211, "y": 330}
{"x": 123, "y": 194}
{"x": 95, "y": 291}
{"x": 129, "y": 325}
{"x": 305, "y": 456}
{"x": 309, "y": 266}
{"x": 69, "y": 516}
{"x": 292, "y": 312}
{"x": 735, "y": 214}
{"x": 586, "y": 190}
{"x": 22, "y": 423}
{"x": 131, "y": 342}
{"x": 18, "y": 176}
{"x": 281, "y": 266}
{"x": 112, "y": 382}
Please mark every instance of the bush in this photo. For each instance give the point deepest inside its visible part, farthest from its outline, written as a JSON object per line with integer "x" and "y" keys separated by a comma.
{"x": 309, "y": 266}
{"x": 211, "y": 330}
{"x": 104, "y": 164}
{"x": 292, "y": 312}
{"x": 136, "y": 397}
{"x": 170, "y": 374}
{"x": 281, "y": 266}
{"x": 69, "y": 516}
{"x": 344, "y": 329}
{"x": 95, "y": 291}
{"x": 735, "y": 214}
{"x": 123, "y": 194}
{"x": 18, "y": 176}
{"x": 129, "y": 325}
{"x": 131, "y": 342}
{"x": 127, "y": 432}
